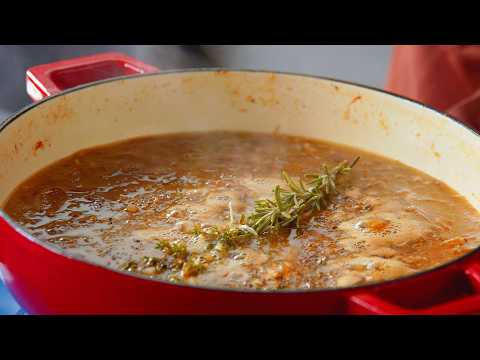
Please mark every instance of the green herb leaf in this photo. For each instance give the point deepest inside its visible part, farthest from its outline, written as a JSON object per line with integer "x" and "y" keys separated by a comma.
{"x": 286, "y": 207}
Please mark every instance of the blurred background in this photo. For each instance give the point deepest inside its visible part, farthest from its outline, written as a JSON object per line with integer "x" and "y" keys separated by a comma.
{"x": 364, "y": 64}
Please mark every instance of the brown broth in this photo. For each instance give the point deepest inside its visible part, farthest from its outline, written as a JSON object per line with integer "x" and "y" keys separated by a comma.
{"x": 114, "y": 204}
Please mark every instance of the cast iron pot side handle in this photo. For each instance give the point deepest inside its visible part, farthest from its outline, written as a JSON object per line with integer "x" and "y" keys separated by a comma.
{"x": 372, "y": 304}
{"x": 50, "y": 79}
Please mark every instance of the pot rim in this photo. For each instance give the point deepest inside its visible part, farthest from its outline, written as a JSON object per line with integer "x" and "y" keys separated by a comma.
{"x": 24, "y": 233}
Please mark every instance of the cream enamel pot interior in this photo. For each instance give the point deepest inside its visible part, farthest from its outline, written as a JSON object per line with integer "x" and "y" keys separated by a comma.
{"x": 203, "y": 100}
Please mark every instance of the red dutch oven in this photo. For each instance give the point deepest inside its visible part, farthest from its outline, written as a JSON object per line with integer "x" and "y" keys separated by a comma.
{"x": 104, "y": 98}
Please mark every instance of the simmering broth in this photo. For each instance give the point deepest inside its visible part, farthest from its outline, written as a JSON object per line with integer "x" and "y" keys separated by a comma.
{"x": 159, "y": 206}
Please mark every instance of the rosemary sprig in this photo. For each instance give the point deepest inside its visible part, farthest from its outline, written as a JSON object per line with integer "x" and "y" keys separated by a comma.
{"x": 287, "y": 207}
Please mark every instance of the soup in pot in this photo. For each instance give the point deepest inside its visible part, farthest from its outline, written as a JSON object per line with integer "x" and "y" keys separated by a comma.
{"x": 246, "y": 210}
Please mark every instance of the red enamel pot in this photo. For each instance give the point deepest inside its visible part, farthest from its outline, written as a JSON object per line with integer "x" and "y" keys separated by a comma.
{"x": 104, "y": 98}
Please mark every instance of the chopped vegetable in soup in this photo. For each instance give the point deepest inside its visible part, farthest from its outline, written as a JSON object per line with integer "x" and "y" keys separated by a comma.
{"x": 246, "y": 210}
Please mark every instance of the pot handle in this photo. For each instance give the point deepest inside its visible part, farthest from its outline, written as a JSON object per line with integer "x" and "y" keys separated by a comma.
{"x": 372, "y": 304}
{"x": 50, "y": 79}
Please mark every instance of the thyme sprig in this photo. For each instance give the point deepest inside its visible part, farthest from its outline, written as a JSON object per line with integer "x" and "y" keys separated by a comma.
{"x": 287, "y": 207}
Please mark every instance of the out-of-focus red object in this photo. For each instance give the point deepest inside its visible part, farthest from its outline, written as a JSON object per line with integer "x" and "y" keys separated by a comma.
{"x": 445, "y": 77}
